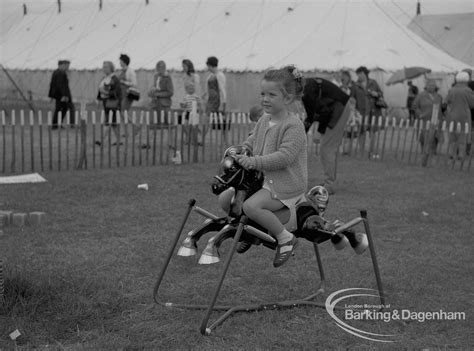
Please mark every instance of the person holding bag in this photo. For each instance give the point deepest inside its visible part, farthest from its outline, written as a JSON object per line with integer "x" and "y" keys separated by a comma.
{"x": 128, "y": 81}
{"x": 161, "y": 91}
{"x": 370, "y": 102}
{"x": 130, "y": 92}
{"x": 110, "y": 93}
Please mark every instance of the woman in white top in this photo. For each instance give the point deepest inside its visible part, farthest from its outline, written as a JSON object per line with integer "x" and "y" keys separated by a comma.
{"x": 190, "y": 77}
{"x": 128, "y": 78}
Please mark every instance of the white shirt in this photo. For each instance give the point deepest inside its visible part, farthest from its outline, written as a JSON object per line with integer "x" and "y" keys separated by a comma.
{"x": 131, "y": 77}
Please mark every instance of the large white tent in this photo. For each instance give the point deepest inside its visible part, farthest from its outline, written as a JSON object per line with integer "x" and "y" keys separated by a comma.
{"x": 248, "y": 36}
{"x": 452, "y": 33}
{"x": 245, "y": 35}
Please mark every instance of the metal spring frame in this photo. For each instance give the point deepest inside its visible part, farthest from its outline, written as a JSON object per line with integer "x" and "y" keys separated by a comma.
{"x": 207, "y": 328}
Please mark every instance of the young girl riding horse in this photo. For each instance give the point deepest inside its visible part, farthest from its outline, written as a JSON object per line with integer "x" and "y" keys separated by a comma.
{"x": 278, "y": 143}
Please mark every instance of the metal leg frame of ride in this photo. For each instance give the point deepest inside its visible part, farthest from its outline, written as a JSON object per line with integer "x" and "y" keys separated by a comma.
{"x": 214, "y": 223}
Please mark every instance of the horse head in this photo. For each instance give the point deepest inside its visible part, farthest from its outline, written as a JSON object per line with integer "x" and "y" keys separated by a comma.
{"x": 232, "y": 174}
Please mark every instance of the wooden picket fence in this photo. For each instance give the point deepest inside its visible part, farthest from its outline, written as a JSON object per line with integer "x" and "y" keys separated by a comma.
{"x": 30, "y": 144}
{"x": 386, "y": 138}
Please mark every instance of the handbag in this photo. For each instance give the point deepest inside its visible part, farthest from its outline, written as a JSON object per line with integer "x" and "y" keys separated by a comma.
{"x": 380, "y": 103}
{"x": 133, "y": 93}
{"x": 112, "y": 104}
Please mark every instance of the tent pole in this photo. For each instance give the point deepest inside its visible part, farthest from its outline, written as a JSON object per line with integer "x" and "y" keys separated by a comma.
{"x": 19, "y": 90}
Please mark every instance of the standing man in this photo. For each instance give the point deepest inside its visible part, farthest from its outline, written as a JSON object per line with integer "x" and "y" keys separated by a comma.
{"x": 329, "y": 105}
{"x": 60, "y": 92}
{"x": 412, "y": 93}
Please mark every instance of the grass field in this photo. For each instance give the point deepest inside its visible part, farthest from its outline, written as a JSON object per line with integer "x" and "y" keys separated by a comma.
{"x": 84, "y": 279}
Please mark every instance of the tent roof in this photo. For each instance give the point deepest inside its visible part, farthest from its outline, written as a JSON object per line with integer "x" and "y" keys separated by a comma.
{"x": 323, "y": 35}
{"x": 452, "y": 33}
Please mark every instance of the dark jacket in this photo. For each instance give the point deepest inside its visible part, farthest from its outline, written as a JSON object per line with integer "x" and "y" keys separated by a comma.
{"x": 162, "y": 98}
{"x": 59, "y": 86}
{"x": 471, "y": 86}
{"x": 365, "y": 102}
{"x": 322, "y": 101}
{"x": 412, "y": 94}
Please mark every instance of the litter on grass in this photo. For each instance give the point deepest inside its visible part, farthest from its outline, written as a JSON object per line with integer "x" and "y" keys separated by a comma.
{"x": 23, "y": 178}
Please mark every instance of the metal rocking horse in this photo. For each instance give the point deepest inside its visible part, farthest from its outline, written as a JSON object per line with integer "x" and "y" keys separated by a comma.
{"x": 311, "y": 225}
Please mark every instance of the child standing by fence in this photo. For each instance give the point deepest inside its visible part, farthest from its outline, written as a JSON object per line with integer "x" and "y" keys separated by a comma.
{"x": 192, "y": 110}
{"x": 279, "y": 150}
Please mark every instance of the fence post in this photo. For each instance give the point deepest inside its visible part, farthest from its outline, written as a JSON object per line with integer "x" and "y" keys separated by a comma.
{"x": 231, "y": 131}
{"x": 13, "y": 160}
{"x": 140, "y": 139}
{"x": 60, "y": 122}
{"x": 449, "y": 131}
{"x": 4, "y": 142}
{"x": 22, "y": 139}
{"x": 393, "y": 126}
{"x": 148, "y": 128}
{"x": 101, "y": 131}
{"x": 421, "y": 128}
{"x": 32, "y": 146}
{"x": 413, "y": 136}
{"x": 109, "y": 138}
{"x": 162, "y": 131}
{"x": 93, "y": 125}
{"x": 213, "y": 122}
{"x": 223, "y": 123}
{"x": 68, "y": 125}
{"x": 174, "y": 129}
{"x": 194, "y": 117}
{"x": 203, "y": 120}
{"x": 155, "y": 126}
{"x": 407, "y": 127}
{"x": 425, "y": 147}
{"x": 379, "y": 133}
{"x": 440, "y": 145}
{"x": 387, "y": 119}
{"x": 469, "y": 137}
{"x": 125, "y": 129}
{"x": 134, "y": 126}
{"x": 365, "y": 131}
{"x": 187, "y": 129}
{"x": 76, "y": 124}
{"x": 451, "y": 146}
{"x": 119, "y": 138}
{"x": 455, "y": 147}
{"x": 464, "y": 155}
{"x": 50, "y": 140}
{"x": 82, "y": 158}
{"x": 239, "y": 127}
{"x": 169, "y": 148}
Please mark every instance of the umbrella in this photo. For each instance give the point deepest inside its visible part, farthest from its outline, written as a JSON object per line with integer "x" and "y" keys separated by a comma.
{"x": 407, "y": 73}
